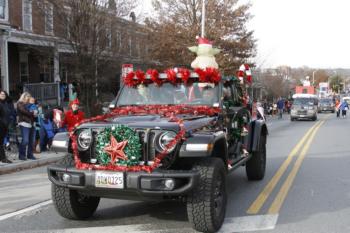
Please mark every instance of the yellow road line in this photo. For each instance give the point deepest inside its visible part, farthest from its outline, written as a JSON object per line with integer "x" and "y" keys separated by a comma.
{"x": 282, "y": 194}
{"x": 260, "y": 200}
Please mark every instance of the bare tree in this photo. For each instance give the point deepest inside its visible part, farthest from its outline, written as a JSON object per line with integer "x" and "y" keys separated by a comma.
{"x": 177, "y": 23}
{"x": 87, "y": 26}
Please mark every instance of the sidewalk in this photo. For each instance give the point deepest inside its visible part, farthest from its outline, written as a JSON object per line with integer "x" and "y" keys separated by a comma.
{"x": 42, "y": 159}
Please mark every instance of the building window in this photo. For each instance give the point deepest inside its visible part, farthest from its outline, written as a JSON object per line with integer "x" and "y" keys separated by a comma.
{"x": 4, "y": 10}
{"x": 23, "y": 67}
{"x": 27, "y": 15}
{"x": 130, "y": 46}
{"x": 48, "y": 18}
{"x": 109, "y": 38}
{"x": 67, "y": 21}
{"x": 118, "y": 41}
{"x": 46, "y": 70}
{"x": 138, "y": 50}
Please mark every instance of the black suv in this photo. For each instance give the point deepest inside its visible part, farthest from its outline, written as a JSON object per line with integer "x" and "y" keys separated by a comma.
{"x": 184, "y": 141}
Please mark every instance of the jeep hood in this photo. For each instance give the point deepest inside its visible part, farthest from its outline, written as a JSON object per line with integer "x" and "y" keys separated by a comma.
{"x": 154, "y": 122}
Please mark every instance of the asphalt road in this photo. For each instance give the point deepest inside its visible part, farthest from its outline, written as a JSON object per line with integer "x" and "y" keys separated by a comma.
{"x": 306, "y": 189}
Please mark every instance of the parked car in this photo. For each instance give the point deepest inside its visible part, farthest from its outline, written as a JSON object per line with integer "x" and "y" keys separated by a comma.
{"x": 326, "y": 105}
{"x": 217, "y": 136}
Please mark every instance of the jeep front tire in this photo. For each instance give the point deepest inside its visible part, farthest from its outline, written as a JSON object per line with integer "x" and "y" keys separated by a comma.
{"x": 206, "y": 204}
{"x": 69, "y": 203}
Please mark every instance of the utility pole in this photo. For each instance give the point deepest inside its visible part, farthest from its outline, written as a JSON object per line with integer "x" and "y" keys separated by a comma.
{"x": 203, "y": 19}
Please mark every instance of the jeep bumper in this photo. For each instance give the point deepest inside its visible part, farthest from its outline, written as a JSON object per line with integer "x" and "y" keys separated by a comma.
{"x": 135, "y": 184}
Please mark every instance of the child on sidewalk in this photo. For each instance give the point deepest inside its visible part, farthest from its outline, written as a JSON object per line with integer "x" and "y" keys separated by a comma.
{"x": 32, "y": 106}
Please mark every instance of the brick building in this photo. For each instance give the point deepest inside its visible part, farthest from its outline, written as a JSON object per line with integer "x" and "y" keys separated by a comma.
{"x": 33, "y": 48}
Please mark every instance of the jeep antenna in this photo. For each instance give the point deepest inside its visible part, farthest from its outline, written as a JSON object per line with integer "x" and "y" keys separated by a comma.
{"x": 203, "y": 19}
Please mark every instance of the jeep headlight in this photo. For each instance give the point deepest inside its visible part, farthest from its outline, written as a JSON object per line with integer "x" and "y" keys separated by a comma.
{"x": 84, "y": 139}
{"x": 164, "y": 139}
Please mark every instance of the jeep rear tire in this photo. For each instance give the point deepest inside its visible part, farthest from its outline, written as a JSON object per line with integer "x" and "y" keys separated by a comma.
{"x": 256, "y": 165}
{"x": 69, "y": 203}
{"x": 206, "y": 204}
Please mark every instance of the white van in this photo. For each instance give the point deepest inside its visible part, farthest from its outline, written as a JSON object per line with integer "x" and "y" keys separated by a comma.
{"x": 305, "y": 106}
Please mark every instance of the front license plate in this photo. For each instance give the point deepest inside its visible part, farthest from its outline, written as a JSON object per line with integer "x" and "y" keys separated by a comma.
{"x": 302, "y": 116}
{"x": 109, "y": 180}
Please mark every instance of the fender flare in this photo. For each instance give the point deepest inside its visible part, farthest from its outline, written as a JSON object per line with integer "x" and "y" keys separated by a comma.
{"x": 214, "y": 140}
{"x": 256, "y": 129}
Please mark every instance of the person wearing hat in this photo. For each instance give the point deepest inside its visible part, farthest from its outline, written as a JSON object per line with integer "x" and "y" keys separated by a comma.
{"x": 73, "y": 116}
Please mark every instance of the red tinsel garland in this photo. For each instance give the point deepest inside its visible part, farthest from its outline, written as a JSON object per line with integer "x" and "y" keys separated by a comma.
{"x": 138, "y": 77}
{"x": 163, "y": 110}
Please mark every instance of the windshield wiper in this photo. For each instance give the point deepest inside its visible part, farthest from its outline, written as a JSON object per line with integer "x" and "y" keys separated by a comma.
{"x": 127, "y": 105}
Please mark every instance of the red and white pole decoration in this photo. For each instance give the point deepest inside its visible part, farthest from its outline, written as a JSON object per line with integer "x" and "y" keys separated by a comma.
{"x": 244, "y": 69}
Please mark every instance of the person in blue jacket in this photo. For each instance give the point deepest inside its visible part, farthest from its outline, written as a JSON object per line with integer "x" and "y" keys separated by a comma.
{"x": 46, "y": 132}
{"x": 344, "y": 107}
{"x": 280, "y": 107}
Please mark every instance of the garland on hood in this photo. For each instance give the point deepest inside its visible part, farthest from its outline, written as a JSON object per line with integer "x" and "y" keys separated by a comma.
{"x": 162, "y": 110}
{"x": 135, "y": 78}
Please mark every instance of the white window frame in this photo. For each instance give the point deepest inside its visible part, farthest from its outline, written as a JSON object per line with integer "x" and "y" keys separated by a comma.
{"x": 109, "y": 38}
{"x": 138, "y": 48}
{"x": 29, "y": 15}
{"x": 49, "y": 14}
{"x": 68, "y": 11}
{"x": 6, "y": 11}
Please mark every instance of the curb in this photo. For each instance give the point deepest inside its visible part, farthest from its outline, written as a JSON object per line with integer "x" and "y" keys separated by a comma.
{"x": 28, "y": 164}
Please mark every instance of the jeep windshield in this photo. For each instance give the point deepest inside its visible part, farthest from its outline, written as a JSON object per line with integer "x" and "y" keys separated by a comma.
{"x": 168, "y": 94}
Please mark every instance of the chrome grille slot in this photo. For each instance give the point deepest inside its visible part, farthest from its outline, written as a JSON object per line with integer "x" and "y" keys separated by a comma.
{"x": 151, "y": 147}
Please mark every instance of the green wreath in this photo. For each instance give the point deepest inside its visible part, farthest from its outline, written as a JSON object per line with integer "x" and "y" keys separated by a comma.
{"x": 121, "y": 133}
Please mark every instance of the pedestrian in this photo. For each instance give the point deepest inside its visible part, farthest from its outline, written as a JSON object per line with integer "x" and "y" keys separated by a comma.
{"x": 33, "y": 107}
{"x": 46, "y": 132}
{"x": 344, "y": 107}
{"x": 7, "y": 103}
{"x": 26, "y": 122}
{"x": 280, "y": 107}
{"x": 288, "y": 106}
{"x": 337, "y": 107}
{"x": 4, "y": 123}
{"x": 73, "y": 116}
{"x": 274, "y": 109}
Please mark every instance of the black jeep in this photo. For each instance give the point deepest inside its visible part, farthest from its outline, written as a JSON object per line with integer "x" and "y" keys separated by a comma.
{"x": 183, "y": 141}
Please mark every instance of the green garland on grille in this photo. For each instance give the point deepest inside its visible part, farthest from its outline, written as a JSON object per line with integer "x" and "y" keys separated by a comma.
{"x": 121, "y": 133}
